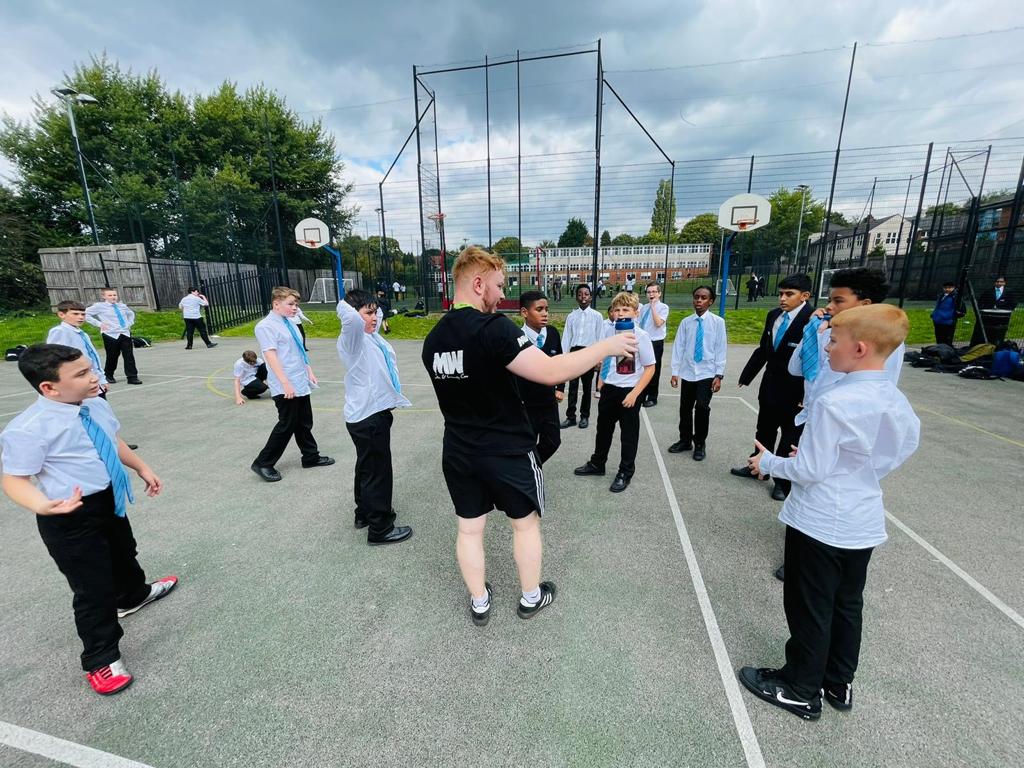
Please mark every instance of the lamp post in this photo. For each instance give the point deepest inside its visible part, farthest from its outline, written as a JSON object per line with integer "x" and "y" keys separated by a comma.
{"x": 70, "y": 97}
{"x": 803, "y": 197}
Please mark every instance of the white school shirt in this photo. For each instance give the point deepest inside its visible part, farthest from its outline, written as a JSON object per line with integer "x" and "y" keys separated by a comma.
{"x": 827, "y": 377}
{"x": 368, "y": 385}
{"x": 244, "y": 372}
{"x": 397, "y": 287}
{"x": 629, "y": 284}
{"x": 857, "y": 432}
{"x": 299, "y": 318}
{"x": 647, "y": 322}
{"x": 102, "y": 312}
{"x": 644, "y": 356}
{"x": 715, "y": 346}
{"x": 192, "y": 307}
{"x": 47, "y": 441}
{"x": 380, "y": 319}
{"x": 271, "y": 333}
{"x": 70, "y": 336}
{"x": 778, "y": 322}
{"x": 583, "y": 327}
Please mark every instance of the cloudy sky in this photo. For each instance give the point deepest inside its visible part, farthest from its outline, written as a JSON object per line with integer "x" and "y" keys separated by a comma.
{"x": 713, "y": 82}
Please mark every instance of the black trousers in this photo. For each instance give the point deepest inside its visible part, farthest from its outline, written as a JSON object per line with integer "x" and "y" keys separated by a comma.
{"x": 257, "y": 386}
{"x": 824, "y": 599}
{"x": 544, "y": 420}
{"x": 651, "y": 392}
{"x": 775, "y": 426}
{"x": 611, "y": 411}
{"x": 944, "y": 333}
{"x": 193, "y": 324}
{"x": 588, "y": 383}
{"x": 694, "y": 410}
{"x": 95, "y": 550}
{"x": 374, "y": 481}
{"x": 115, "y": 348}
{"x": 302, "y": 330}
{"x": 294, "y": 418}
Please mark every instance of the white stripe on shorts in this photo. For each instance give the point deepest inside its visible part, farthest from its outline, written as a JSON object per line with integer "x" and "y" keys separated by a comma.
{"x": 538, "y": 476}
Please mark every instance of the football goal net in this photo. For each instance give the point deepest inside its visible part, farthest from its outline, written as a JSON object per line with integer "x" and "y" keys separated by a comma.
{"x": 730, "y": 289}
{"x": 325, "y": 290}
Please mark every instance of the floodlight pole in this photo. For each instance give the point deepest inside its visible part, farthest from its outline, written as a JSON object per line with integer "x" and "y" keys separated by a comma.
{"x": 519, "y": 163}
{"x": 835, "y": 171}
{"x": 419, "y": 184}
{"x": 597, "y": 166}
{"x": 277, "y": 206}
{"x": 487, "y": 119}
{"x": 799, "y": 227}
{"x": 904, "y": 275}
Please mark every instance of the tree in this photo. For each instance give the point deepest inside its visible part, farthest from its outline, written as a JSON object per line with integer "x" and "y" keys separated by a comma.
{"x": 547, "y": 244}
{"x": 702, "y": 228}
{"x": 624, "y": 239}
{"x": 663, "y": 217}
{"x": 575, "y": 234}
{"x": 21, "y": 280}
{"x": 606, "y": 238}
{"x": 508, "y": 246}
{"x": 777, "y": 242}
{"x": 944, "y": 209}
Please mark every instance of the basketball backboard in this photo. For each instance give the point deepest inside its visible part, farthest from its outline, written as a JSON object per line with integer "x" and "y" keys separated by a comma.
{"x": 312, "y": 233}
{"x": 742, "y": 213}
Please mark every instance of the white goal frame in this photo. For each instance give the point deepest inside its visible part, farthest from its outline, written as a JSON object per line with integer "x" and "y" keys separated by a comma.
{"x": 730, "y": 288}
{"x": 325, "y": 290}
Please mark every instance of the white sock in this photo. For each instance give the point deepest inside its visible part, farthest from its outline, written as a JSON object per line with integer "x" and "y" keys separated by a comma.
{"x": 530, "y": 599}
{"x": 480, "y": 604}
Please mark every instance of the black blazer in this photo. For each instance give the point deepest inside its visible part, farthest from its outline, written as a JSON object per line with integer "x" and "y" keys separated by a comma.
{"x": 534, "y": 394}
{"x": 777, "y": 385}
{"x": 987, "y": 300}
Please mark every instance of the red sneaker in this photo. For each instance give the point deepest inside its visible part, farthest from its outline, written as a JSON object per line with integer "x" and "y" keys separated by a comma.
{"x": 112, "y": 678}
{"x": 157, "y": 590}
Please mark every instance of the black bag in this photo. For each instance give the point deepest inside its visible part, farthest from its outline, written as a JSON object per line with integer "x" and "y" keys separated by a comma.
{"x": 942, "y": 352}
{"x": 977, "y": 372}
{"x": 14, "y": 353}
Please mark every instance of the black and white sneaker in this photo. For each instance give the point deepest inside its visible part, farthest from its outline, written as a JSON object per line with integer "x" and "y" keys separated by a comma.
{"x": 547, "y": 597}
{"x": 481, "y": 617}
{"x": 765, "y": 684}
{"x": 840, "y": 696}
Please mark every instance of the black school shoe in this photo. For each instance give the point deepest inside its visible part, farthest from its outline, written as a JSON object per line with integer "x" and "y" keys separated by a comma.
{"x": 134, "y": 381}
{"x": 547, "y": 597}
{"x": 778, "y": 494}
{"x": 680, "y": 446}
{"x": 480, "y": 618}
{"x": 323, "y": 461}
{"x": 698, "y": 453}
{"x": 584, "y": 422}
{"x": 840, "y": 696}
{"x": 764, "y": 683}
{"x": 269, "y": 474}
{"x": 588, "y": 469}
{"x": 649, "y": 403}
{"x": 568, "y": 423}
{"x": 398, "y": 534}
{"x": 619, "y": 484}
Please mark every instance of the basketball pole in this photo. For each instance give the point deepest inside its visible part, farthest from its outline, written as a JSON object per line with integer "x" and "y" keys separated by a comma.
{"x": 724, "y": 281}
{"x": 339, "y": 276}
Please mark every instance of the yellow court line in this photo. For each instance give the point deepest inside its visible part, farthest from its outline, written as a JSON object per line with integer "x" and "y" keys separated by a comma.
{"x": 212, "y": 387}
{"x": 975, "y": 427}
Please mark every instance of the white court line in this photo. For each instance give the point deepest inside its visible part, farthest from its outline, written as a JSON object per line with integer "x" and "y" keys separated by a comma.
{"x": 740, "y": 716}
{"x": 969, "y": 580}
{"x": 62, "y": 751}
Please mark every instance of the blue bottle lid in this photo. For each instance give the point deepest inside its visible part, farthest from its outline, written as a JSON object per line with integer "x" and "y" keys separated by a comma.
{"x": 625, "y": 324}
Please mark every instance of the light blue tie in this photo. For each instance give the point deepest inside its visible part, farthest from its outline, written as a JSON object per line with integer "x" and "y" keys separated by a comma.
{"x": 540, "y": 340}
{"x": 782, "y": 330}
{"x": 391, "y": 365}
{"x": 645, "y": 316}
{"x": 120, "y": 317}
{"x": 298, "y": 341}
{"x": 108, "y": 455}
{"x": 698, "y": 345}
{"x": 809, "y": 362}
{"x": 89, "y": 349}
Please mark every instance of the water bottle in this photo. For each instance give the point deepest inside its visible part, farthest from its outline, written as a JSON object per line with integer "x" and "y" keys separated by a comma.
{"x": 624, "y": 365}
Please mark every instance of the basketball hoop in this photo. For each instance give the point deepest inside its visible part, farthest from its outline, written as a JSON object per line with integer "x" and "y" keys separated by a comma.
{"x": 438, "y": 219}
{"x": 312, "y": 244}
{"x": 743, "y": 224}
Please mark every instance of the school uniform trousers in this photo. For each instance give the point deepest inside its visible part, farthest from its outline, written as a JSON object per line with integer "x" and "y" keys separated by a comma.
{"x": 588, "y": 383}
{"x": 374, "y": 479}
{"x": 694, "y": 422}
{"x": 115, "y": 348}
{"x": 611, "y": 411}
{"x": 780, "y": 392}
{"x": 294, "y": 419}
{"x": 95, "y": 550}
{"x": 651, "y": 391}
{"x": 823, "y": 596}
{"x": 193, "y": 324}
{"x": 543, "y": 418}
{"x": 257, "y": 386}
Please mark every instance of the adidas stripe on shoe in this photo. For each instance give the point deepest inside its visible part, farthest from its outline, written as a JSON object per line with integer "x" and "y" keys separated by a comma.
{"x": 112, "y": 678}
{"x": 157, "y": 590}
{"x": 547, "y": 596}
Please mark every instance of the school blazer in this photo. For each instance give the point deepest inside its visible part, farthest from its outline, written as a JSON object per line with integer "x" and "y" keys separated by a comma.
{"x": 777, "y": 385}
{"x": 988, "y": 300}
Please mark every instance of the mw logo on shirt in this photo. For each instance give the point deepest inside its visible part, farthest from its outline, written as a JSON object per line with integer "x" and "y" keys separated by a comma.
{"x": 448, "y": 365}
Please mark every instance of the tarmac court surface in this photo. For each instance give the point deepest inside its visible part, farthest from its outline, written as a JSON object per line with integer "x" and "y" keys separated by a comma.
{"x": 290, "y": 642}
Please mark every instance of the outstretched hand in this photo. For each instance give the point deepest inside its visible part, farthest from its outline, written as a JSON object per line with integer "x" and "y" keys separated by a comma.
{"x": 62, "y": 506}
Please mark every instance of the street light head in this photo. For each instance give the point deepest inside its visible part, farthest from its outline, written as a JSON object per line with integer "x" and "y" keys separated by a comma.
{"x": 70, "y": 94}
{"x": 85, "y": 98}
{"x": 802, "y": 187}
{"x": 63, "y": 92}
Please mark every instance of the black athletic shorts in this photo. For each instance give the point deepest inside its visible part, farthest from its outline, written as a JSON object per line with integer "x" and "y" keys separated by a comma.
{"x": 478, "y": 484}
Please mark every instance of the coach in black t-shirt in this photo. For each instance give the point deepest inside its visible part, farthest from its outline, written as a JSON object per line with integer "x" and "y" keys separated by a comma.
{"x": 472, "y": 357}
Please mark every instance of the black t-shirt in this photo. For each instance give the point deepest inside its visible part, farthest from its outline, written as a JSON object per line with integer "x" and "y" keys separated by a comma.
{"x": 535, "y": 394}
{"x": 465, "y": 356}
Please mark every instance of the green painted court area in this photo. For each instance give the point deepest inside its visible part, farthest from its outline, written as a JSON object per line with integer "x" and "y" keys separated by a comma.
{"x": 290, "y": 642}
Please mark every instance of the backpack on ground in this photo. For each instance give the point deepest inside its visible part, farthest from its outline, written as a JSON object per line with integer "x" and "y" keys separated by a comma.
{"x": 1006, "y": 362}
{"x": 14, "y": 353}
{"x": 976, "y": 372}
{"x": 978, "y": 352}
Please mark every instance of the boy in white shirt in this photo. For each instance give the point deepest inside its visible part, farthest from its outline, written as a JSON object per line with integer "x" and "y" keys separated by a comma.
{"x": 291, "y": 379}
{"x": 654, "y": 320}
{"x": 698, "y": 365}
{"x": 191, "y": 306}
{"x": 250, "y": 377}
{"x": 300, "y": 320}
{"x": 67, "y": 442}
{"x": 856, "y": 433}
{"x": 115, "y": 320}
{"x": 70, "y": 334}
{"x": 621, "y": 385}
{"x": 372, "y": 391}
{"x": 583, "y": 327}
